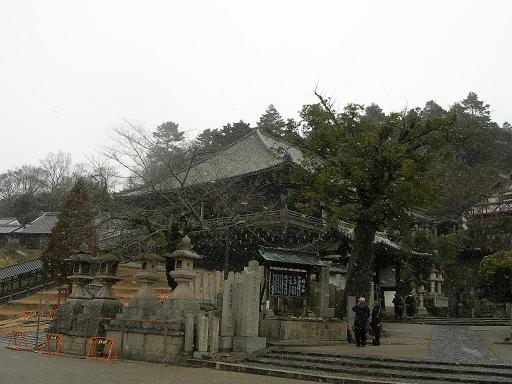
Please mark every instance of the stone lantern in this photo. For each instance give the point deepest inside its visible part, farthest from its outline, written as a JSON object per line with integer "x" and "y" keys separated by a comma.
{"x": 106, "y": 276}
{"x": 181, "y": 301}
{"x": 67, "y": 319}
{"x": 104, "y": 305}
{"x": 183, "y": 272}
{"x": 81, "y": 276}
{"x": 144, "y": 305}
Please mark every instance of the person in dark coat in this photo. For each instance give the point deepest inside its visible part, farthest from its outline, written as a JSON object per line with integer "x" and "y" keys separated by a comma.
{"x": 376, "y": 323}
{"x": 361, "y": 321}
{"x": 410, "y": 305}
{"x": 399, "y": 309}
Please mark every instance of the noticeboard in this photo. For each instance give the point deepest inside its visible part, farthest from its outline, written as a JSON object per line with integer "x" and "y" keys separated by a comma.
{"x": 288, "y": 283}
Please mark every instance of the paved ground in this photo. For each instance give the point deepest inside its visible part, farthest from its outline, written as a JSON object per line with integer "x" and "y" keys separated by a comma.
{"x": 458, "y": 344}
{"x": 446, "y": 343}
{"x": 489, "y": 335}
{"x": 29, "y": 367}
{"x": 416, "y": 341}
{"x": 399, "y": 340}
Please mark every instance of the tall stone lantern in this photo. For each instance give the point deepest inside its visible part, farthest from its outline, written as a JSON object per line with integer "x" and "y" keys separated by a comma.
{"x": 104, "y": 305}
{"x": 181, "y": 301}
{"x": 183, "y": 272}
{"x": 66, "y": 320}
{"x": 81, "y": 276}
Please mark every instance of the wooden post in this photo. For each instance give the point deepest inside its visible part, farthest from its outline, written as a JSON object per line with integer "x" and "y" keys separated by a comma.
{"x": 226, "y": 255}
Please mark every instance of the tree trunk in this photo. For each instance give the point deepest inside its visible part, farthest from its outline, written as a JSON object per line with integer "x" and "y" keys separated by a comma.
{"x": 360, "y": 266}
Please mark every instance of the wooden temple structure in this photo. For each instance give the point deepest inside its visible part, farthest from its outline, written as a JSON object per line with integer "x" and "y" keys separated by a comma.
{"x": 242, "y": 194}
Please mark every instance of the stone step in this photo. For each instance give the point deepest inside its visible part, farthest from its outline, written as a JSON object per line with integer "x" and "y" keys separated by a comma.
{"x": 390, "y": 373}
{"x": 455, "y": 321}
{"x": 438, "y": 367}
{"x": 298, "y": 352}
{"x": 285, "y": 372}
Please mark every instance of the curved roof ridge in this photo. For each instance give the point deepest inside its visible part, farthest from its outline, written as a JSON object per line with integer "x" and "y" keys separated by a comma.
{"x": 290, "y": 149}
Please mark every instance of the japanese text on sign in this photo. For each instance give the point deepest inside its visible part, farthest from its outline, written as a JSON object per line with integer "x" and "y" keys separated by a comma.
{"x": 286, "y": 283}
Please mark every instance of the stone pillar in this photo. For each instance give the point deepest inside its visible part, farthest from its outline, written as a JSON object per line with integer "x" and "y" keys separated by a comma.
{"x": 250, "y": 294}
{"x": 211, "y": 287}
{"x": 202, "y": 333}
{"x": 323, "y": 299}
{"x": 205, "y": 287}
{"x": 218, "y": 281}
{"x": 247, "y": 319}
{"x": 227, "y": 329}
{"x": 432, "y": 283}
{"x": 189, "y": 333}
{"x": 213, "y": 334}
{"x": 253, "y": 266}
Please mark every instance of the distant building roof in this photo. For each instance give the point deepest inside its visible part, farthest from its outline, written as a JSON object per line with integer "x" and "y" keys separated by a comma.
{"x": 43, "y": 225}
{"x": 380, "y": 238}
{"x": 8, "y": 224}
{"x": 289, "y": 257}
{"x": 114, "y": 234}
{"x": 9, "y": 221}
{"x": 255, "y": 152}
{"x": 18, "y": 269}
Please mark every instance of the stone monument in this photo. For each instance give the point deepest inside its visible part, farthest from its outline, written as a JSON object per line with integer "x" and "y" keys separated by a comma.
{"x": 246, "y": 317}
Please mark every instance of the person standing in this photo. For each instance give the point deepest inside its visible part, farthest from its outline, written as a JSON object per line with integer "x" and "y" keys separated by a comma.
{"x": 376, "y": 323}
{"x": 361, "y": 321}
{"x": 399, "y": 309}
{"x": 410, "y": 305}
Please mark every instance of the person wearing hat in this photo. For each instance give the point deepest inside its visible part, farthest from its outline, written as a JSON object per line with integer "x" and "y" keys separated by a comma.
{"x": 361, "y": 321}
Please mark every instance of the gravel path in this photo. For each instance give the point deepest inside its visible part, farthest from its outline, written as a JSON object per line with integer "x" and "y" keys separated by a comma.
{"x": 458, "y": 344}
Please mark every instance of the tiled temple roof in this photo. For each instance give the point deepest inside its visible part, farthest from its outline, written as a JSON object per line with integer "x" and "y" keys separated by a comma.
{"x": 253, "y": 153}
{"x": 43, "y": 225}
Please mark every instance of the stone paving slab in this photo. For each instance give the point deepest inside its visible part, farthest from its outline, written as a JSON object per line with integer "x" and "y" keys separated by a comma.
{"x": 458, "y": 344}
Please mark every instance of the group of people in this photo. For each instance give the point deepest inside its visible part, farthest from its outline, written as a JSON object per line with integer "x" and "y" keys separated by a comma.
{"x": 362, "y": 317}
{"x": 398, "y": 304}
{"x": 361, "y": 322}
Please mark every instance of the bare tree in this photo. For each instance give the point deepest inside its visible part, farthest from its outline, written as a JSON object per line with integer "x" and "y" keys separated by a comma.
{"x": 56, "y": 170}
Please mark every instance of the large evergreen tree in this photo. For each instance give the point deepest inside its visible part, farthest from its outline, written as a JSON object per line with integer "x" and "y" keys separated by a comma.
{"x": 75, "y": 226}
{"x": 370, "y": 171}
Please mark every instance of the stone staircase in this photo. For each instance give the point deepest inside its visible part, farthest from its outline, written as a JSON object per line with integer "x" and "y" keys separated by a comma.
{"x": 343, "y": 368}
{"x": 453, "y": 321}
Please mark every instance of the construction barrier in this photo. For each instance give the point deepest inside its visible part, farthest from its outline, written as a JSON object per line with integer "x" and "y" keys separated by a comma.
{"x": 18, "y": 341}
{"x": 106, "y": 342}
{"x": 28, "y": 314}
{"x": 54, "y": 344}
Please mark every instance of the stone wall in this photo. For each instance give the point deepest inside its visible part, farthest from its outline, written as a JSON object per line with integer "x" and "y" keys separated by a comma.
{"x": 309, "y": 331}
{"x": 144, "y": 346}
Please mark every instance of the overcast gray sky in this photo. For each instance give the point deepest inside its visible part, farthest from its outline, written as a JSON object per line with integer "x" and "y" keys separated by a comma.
{"x": 72, "y": 70}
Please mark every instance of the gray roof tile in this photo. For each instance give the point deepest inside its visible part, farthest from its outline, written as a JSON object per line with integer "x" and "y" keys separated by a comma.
{"x": 42, "y": 225}
{"x": 17, "y": 269}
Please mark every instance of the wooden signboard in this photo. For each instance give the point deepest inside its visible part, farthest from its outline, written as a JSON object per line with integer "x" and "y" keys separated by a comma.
{"x": 288, "y": 283}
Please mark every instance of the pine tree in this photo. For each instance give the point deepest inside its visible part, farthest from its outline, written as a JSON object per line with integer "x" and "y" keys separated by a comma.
{"x": 272, "y": 121}
{"x": 75, "y": 226}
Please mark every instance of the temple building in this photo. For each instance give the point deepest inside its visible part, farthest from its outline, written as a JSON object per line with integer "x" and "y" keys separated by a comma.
{"x": 242, "y": 194}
